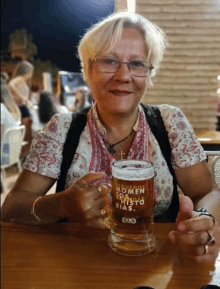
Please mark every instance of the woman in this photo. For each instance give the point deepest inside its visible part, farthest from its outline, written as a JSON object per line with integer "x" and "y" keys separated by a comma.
{"x": 20, "y": 89}
{"x": 8, "y": 100}
{"x": 82, "y": 94}
{"x": 119, "y": 57}
{"x": 20, "y": 86}
{"x": 42, "y": 113}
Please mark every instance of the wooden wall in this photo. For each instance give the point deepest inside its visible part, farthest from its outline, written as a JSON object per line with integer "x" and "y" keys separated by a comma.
{"x": 188, "y": 75}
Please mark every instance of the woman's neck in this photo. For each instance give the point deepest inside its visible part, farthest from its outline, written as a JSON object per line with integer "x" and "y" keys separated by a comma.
{"x": 118, "y": 126}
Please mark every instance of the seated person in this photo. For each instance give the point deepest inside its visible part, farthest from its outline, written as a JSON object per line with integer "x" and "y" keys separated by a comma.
{"x": 120, "y": 55}
{"x": 60, "y": 103}
{"x": 43, "y": 112}
{"x": 82, "y": 94}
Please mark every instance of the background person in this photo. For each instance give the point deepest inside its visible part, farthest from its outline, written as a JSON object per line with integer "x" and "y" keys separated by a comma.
{"x": 119, "y": 57}
{"x": 20, "y": 89}
{"x": 60, "y": 103}
{"x": 35, "y": 94}
{"x": 82, "y": 99}
{"x": 7, "y": 98}
{"x": 43, "y": 112}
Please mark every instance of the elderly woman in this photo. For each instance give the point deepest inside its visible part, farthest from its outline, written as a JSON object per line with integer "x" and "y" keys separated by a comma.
{"x": 119, "y": 56}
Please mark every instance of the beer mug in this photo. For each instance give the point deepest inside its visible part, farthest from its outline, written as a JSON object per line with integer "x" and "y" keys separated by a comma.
{"x": 131, "y": 221}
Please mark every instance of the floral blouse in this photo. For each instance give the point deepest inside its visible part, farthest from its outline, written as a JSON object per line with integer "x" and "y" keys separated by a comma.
{"x": 45, "y": 156}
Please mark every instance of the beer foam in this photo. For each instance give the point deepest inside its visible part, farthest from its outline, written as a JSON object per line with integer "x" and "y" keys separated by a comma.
{"x": 132, "y": 170}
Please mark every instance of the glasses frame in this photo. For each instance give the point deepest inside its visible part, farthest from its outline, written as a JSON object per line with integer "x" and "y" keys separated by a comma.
{"x": 128, "y": 66}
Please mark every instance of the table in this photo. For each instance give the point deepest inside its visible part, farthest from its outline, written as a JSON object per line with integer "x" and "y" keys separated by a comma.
{"x": 68, "y": 256}
{"x": 209, "y": 139}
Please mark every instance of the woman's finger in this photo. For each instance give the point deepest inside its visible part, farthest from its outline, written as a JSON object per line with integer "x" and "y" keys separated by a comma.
{"x": 97, "y": 210}
{"x": 201, "y": 223}
{"x": 96, "y": 223}
{"x": 207, "y": 257}
{"x": 102, "y": 190}
{"x": 197, "y": 250}
{"x": 90, "y": 177}
{"x": 192, "y": 238}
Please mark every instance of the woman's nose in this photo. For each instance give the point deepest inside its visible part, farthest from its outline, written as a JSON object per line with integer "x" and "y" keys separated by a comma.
{"x": 123, "y": 73}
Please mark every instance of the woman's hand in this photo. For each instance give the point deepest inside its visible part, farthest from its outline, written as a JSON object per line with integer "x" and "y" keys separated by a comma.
{"x": 193, "y": 232}
{"x": 85, "y": 203}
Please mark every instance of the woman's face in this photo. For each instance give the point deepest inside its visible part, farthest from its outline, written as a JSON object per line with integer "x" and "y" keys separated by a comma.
{"x": 120, "y": 92}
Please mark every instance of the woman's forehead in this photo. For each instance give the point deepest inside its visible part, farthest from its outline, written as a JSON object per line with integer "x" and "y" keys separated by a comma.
{"x": 131, "y": 42}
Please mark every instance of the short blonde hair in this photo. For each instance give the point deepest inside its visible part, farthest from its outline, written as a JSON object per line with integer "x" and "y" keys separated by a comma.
{"x": 103, "y": 36}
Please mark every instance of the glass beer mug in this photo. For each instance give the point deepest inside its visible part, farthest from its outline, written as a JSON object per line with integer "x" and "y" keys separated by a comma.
{"x": 131, "y": 222}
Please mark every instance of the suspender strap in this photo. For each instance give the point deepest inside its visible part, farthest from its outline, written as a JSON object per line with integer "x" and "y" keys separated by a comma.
{"x": 72, "y": 140}
{"x": 158, "y": 128}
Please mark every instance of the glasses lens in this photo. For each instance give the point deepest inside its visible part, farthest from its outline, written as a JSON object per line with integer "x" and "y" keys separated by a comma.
{"x": 107, "y": 65}
{"x": 137, "y": 68}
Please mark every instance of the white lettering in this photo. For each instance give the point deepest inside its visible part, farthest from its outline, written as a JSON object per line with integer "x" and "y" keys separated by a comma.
{"x": 128, "y": 220}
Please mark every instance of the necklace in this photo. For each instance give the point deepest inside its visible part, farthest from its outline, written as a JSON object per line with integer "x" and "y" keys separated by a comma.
{"x": 110, "y": 147}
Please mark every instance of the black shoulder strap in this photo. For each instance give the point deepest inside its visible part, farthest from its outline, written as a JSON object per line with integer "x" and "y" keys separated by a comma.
{"x": 72, "y": 140}
{"x": 158, "y": 128}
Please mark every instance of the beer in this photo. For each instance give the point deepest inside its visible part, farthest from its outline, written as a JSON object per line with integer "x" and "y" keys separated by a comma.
{"x": 132, "y": 208}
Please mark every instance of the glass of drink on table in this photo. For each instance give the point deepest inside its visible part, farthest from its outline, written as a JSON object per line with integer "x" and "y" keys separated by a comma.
{"x": 131, "y": 221}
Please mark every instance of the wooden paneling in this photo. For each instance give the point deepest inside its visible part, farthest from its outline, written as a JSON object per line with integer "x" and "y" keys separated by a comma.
{"x": 188, "y": 74}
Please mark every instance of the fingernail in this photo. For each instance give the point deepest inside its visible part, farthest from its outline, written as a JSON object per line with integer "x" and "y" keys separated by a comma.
{"x": 181, "y": 227}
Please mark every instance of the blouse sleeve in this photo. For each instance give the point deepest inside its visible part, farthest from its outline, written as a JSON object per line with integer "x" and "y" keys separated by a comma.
{"x": 186, "y": 149}
{"x": 45, "y": 155}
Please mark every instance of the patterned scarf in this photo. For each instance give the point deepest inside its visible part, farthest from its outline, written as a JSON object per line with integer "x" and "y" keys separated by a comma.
{"x": 101, "y": 158}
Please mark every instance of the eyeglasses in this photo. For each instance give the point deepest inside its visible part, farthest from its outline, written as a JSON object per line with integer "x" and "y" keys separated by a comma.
{"x": 136, "y": 67}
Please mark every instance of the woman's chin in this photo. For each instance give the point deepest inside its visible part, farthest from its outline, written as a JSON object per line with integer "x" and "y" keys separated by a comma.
{"x": 123, "y": 109}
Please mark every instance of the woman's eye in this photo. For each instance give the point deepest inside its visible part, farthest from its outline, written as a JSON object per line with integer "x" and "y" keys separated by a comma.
{"x": 137, "y": 64}
{"x": 110, "y": 61}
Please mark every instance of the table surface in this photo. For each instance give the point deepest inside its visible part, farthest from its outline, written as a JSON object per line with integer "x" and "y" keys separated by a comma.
{"x": 208, "y": 137}
{"x": 68, "y": 256}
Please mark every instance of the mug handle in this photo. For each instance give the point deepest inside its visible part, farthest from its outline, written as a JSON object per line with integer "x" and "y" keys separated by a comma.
{"x": 107, "y": 220}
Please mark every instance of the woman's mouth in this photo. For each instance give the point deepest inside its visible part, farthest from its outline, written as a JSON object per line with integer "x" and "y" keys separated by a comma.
{"x": 120, "y": 92}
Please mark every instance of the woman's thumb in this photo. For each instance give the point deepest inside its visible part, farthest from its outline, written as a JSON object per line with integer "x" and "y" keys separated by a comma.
{"x": 185, "y": 210}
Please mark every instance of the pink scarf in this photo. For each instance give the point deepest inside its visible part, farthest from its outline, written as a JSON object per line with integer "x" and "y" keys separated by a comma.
{"x": 101, "y": 158}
